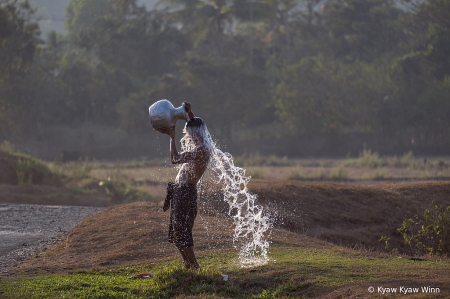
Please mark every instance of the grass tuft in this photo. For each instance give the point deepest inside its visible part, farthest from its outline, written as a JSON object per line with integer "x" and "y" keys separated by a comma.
{"x": 340, "y": 175}
{"x": 369, "y": 159}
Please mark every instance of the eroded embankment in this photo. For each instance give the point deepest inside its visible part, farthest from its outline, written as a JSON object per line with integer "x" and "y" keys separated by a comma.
{"x": 339, "y": 213}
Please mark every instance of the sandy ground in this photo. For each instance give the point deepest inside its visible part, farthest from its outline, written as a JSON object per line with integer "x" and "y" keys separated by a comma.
{"x": 26, "y": 229}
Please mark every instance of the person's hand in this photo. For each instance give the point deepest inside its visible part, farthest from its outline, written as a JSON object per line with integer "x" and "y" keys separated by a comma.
{"x": 187, "y": 106}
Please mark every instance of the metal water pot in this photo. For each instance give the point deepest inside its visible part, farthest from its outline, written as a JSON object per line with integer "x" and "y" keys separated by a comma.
{"x": 163, "y": 115}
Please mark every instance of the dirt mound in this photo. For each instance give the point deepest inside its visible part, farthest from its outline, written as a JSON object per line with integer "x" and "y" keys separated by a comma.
{"x": 338, "y": 213}
{"x": 136, "y": 233}
{"x": 347, "y": 214}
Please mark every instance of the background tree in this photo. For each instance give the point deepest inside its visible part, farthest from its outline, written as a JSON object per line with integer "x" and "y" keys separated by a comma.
{"x": 18, "y": 44}
{"x": 362, "y": 30}
{"x": 320, "y": 68}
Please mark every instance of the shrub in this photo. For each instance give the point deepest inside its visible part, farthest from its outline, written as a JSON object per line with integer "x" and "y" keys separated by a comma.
{"x": 369, "y": 159}
{"x": 429, "y": 233}
{"x": 407, "y": 160}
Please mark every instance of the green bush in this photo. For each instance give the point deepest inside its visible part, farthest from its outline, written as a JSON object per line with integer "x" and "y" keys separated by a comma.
{"x": 429, "y": 233}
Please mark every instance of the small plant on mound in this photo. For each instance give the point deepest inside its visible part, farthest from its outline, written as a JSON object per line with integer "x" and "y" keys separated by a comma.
{"x": 429, "y": 233}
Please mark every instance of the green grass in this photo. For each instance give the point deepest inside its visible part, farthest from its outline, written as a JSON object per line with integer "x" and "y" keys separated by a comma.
{"x": 293, "y": 272}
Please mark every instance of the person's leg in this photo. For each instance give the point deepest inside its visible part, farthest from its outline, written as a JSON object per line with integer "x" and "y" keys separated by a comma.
{"x": 187, "y": 264}
{"x": 189, "y": 253}
{"x": 185, "y": 212}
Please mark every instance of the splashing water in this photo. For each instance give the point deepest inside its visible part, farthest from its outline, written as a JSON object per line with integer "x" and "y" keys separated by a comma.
{"x": 251, "y": 223}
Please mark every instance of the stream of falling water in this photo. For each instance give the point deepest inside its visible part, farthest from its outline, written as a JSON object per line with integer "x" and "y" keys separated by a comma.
{"x": 251, "y": 224}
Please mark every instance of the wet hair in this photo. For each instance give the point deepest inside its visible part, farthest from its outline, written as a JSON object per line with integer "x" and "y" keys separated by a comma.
{"x": 195, "y": 122}
{"x": 198, "y": 126}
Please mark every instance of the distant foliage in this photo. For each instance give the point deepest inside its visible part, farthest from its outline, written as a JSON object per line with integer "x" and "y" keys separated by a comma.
{"x": 340, "y": 175}
{"x": 80, "y": 169}
{"x": 260, "y": 160}
{"x": 311, "y": 68}
{"x": 369, "y": 159}
{"x": 21, "y": 169}
{"x": 18, "y": 47}
{"x": 120, "y": 192}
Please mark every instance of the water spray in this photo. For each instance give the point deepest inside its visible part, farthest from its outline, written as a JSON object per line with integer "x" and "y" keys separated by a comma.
{"x": 251, "y": 223}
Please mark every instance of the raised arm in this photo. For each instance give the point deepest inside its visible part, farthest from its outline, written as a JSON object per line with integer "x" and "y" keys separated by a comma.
{"x": 177, "y": 158}
{"x": 187, "y": 107}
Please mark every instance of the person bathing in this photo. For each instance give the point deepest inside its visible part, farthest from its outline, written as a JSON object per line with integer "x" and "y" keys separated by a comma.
{"x": 182, "y": 194}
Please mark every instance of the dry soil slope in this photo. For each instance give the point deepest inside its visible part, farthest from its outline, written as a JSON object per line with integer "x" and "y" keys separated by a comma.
{"x": 339, "y": 213}
{"x": 347, "y": 214}
{"x": 136, "y": 233}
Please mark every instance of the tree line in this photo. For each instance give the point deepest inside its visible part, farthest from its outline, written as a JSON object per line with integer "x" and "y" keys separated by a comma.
{"x": 305, "y": 67}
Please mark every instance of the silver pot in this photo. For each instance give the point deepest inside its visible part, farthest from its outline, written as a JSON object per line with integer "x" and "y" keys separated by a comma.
{"x": 163, "y": 115}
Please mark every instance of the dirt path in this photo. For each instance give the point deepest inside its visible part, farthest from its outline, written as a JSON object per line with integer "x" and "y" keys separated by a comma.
{"x": 24, "y": 229}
